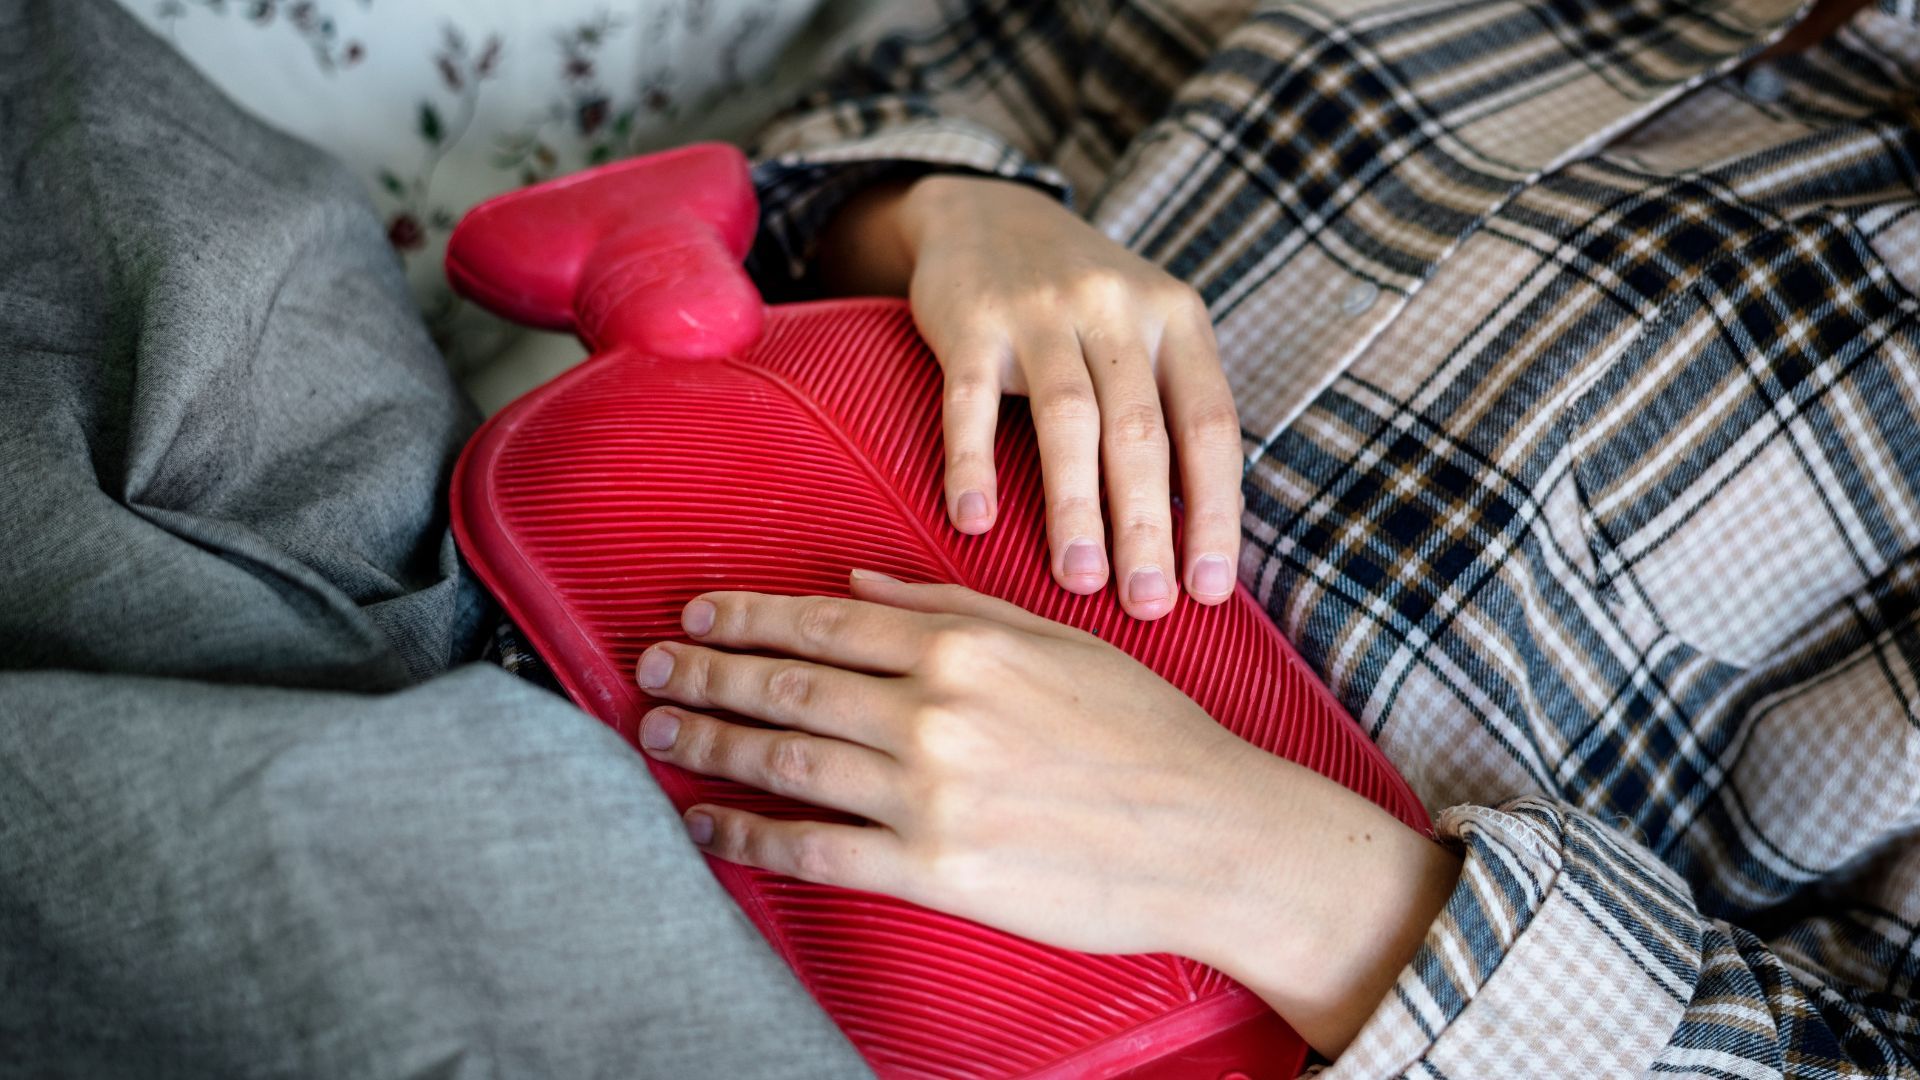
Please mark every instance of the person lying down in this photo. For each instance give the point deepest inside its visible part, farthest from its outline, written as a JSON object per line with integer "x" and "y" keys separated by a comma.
{"x": 1545, "y": 370}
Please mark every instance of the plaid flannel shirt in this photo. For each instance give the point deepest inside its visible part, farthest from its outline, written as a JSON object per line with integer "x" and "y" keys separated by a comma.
{"x": 1578, "y": 360}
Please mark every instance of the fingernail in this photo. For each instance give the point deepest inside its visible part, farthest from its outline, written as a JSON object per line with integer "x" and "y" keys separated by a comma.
{"x": 1212, "y": 576}
{"x": 656, "y": 666}
{"x": 872, "y": 575}
{"x": 700, "y": 828}
{"x": 698, "y": 617}
{"x": 1082, "y": 559}
{"x": 1146, "y": 585}
{"x": 659, "y": 729}
{"x": 971, "y": 510}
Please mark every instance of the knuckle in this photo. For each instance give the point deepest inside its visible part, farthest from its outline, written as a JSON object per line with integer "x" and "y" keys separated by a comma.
{"x": 1213, "y": 517}
{"x": 1183, "y": 299}
{"x": 732, "y": 616}
{"x": 1213, "y": 423}
{"x": 1067, "y": 405}
{"x": 930, "y": 714}
{"x": 1137, "y": 425}
{"x": 1067, "y": 510}
{"x": 732, "y": 837}
{"x": 957, "y": 870}
{"x": 967, "y": 388}
{"x": 946, "y": 746}
{"x": 958, "y": 645}
{"x": 1100, "y": 288}
{"x": 697, "y": 745}
{"x": 943, "y": 656}
{"x": 967, "y": 461}
{"x": 746, "y": 841}
{"x": 942, "y": 809}
{"x": 790, "y": 686}
{"x": 791, "y": 763}
{"x": 820, "y": 622}
{"x": 813, "y": 857}
{"x": 693, "y": 670}
{"x": 917, "y": 730}
{"x": 1140, "y": 531}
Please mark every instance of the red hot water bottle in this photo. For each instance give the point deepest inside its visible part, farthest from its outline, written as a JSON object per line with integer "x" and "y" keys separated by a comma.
{"x": 714, "y": 443}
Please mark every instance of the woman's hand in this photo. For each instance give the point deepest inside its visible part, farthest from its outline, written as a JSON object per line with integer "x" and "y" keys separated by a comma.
{"x": 1016, "y": 295}
{"x": 1034, "y": 778}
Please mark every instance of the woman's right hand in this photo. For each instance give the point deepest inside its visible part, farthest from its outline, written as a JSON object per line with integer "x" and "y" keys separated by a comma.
{"x": 1036, "y": 779}
{"x": 1016, "y": 295}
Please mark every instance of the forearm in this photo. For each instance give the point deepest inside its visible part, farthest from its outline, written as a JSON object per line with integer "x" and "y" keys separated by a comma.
{"x": 864, "y": 251}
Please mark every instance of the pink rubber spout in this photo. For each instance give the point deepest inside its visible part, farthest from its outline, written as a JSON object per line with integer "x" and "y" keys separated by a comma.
{"x": 641, "y": 254}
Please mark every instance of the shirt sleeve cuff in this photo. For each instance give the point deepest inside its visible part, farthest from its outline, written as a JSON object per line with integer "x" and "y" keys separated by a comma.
{"x": 1564, "y": 941}
{"x": 804, "y": 176}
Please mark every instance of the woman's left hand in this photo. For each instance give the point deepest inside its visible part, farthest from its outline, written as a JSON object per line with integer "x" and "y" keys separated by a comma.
{"x": 1033, "y": 778}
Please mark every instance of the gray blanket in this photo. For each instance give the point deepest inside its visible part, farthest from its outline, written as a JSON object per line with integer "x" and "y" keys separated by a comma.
{"x": 256, "y": 817}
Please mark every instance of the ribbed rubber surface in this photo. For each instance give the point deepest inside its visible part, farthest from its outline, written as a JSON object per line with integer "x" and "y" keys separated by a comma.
{"x": 596, "y": 507}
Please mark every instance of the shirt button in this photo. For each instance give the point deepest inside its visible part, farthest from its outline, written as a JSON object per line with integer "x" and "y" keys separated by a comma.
{"x": 1764, "y": 84}
{"x": 1360, "y": 298}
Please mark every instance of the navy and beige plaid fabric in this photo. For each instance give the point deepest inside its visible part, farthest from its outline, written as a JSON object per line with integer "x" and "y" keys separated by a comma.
{"x": 1578, "y": 357}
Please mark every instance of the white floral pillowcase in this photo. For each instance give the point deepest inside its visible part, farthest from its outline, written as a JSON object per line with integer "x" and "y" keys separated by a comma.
{"x": 443, "y": 103}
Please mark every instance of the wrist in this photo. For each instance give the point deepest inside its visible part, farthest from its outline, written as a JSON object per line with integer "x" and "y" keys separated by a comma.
{"x": 1325, "y": 901}
{"x": 873, "y": 243}
{"x": 921, "y": 202}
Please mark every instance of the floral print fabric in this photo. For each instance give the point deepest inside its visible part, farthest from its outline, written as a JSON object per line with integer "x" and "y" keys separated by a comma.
{"x": 440, "y": 104}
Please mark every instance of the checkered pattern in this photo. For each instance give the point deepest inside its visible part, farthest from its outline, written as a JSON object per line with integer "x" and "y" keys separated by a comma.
{"x": 1579, "y": 369}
